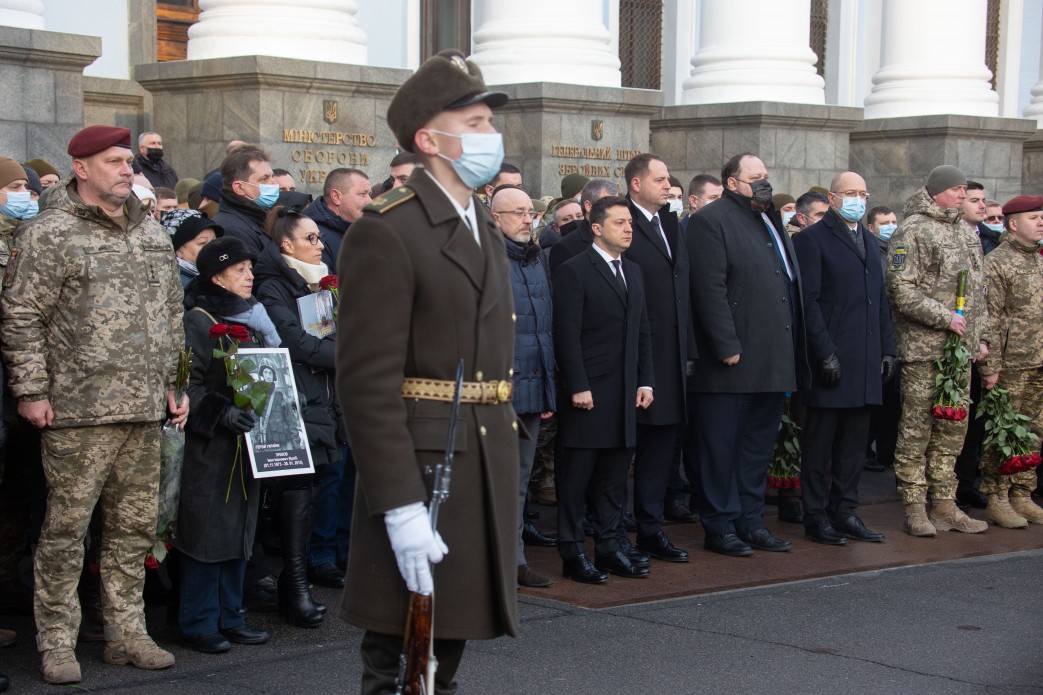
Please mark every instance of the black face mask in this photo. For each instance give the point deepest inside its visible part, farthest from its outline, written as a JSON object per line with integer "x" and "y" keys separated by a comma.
{"x": 568, "y": 228}
{"x": 761, "y": 198}
{"x": 154, "y": 154}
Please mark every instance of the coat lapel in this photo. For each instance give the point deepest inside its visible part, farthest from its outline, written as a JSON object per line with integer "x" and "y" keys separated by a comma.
{"x": 459, "y": 247}
{"x": 602, "y": 267}
{"x": 647, "y": 228}
{"x": 841, "y": 232}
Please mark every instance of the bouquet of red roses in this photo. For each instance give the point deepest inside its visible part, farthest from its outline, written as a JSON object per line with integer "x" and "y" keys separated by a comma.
{"x": 784, "y": 471}
{"x": 1009, "y": 432}
{"x": 952, "y": 382}
{"x": 330, "y": 284}
{"x": 248, "y": 392}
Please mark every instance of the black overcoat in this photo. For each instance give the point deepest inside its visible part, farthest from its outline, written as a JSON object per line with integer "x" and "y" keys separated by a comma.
{"x": 845, "y": 312}
{"x": 603, "y": 344}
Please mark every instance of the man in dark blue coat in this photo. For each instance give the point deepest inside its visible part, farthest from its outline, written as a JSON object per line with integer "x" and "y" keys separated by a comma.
{"x": 850, "y": 344}
{"x": 344, "y": 195}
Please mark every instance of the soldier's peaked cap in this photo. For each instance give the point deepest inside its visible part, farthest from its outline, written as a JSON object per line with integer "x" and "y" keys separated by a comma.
{"x": 1023, "y": 203}
{"x": 446, "y": 80}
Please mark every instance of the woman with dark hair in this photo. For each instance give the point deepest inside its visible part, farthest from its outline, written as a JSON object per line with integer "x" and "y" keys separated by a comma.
{"x": 289, "y": 268}
{"x": 217, "y": 512}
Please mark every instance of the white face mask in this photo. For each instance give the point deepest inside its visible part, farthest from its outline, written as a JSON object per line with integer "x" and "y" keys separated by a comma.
{"x": 675, "y": 206}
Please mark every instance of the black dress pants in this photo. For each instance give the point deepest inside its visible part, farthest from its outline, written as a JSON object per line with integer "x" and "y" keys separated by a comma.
{"x": 597, "y": 475}
{"x": 655, "y": 458}
{"x": 833, "y": 451}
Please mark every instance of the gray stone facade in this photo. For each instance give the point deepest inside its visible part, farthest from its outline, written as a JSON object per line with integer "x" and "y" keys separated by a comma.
{"x": 122, "y": 103}
{"x": 42, "y": 73}
{"x": 1032, "y": 164}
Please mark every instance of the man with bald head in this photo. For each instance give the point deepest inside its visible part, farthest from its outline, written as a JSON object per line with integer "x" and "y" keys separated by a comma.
{"x": 851, "y": 351}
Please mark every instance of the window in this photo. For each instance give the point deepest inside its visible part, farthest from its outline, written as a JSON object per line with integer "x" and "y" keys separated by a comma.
{"x": 641, "y": 43}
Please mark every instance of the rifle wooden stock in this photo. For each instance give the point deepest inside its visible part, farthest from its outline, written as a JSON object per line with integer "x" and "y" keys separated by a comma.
{"x": 417, "y": 670}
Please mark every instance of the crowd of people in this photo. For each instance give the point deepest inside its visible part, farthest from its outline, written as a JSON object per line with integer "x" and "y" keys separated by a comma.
{"x": 658, "y": 337}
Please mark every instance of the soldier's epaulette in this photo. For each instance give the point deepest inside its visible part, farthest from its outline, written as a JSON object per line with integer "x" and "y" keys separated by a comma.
{"x": 390, "y": 199}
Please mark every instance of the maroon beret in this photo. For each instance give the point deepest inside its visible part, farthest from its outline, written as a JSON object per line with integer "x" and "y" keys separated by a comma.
{"x": 98, "y": 138}
{"x": 1023, "y": 203}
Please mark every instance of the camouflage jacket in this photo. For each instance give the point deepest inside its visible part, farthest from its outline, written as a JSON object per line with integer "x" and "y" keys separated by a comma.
{"x": 926, "y": 253}
{"x": 7, "y": 228}
{"x": 91, "y": 314}
{"x": 1015, "y": 299}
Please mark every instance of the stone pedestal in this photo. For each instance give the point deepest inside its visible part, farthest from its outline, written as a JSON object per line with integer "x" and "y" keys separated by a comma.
{"x": 552, "y": 130}
{"x": 544, "y": 41}
{"x": 42, "y": 73}
{"x": 802, "y": 145}
{"x": 1032, "y": 164}
{"x": 311, "y": 117}
{"x": 303, "y": 29}
{"x": 895, "y": 155}
{"x": 122, "y": 103}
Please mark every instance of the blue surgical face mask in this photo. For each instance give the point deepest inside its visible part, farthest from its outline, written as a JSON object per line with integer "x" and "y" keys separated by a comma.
{"x": 787, "y": 216}
{"x": 267, "y": 196}
{"x": 886, "y": 230}
{"x": 998, "y": 228}
{"x": 853, "y": 209}
{"x": 18, "y": 205}
{"x": 480, "y": 160}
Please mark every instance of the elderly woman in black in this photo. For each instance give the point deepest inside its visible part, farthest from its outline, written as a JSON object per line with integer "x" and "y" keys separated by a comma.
{"x": 217, "y": 512}
{"x": 290, "y": 268}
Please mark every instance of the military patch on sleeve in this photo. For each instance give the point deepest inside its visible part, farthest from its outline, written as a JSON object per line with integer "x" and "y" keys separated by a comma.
{"x": 12, "y": 268}
{"x": 898, "y": 258}
{"x": 390, "y": 199}
{"x": 985, "y": 286}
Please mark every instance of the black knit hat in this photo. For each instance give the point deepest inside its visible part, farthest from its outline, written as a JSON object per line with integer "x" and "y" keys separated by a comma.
{"x": 191, "y": 227}
{"x": 220, "y": 254}
{"x": 33, "y": 179}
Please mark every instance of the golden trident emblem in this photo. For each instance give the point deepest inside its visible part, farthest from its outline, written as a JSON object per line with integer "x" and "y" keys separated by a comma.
{"x": 597, "y": 129}
{"x": 329, "y": 111}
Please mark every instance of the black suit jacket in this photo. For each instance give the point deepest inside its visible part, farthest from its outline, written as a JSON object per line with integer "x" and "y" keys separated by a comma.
{"x": 572, "y": 244}
{"x": 666, "y": 300}
{"x": 845, "y": 312}
{"x": 741, "y": 303}
{"x": 603, "y": 345}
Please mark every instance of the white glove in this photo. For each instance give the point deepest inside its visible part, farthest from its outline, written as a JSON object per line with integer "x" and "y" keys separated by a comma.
{"x": 416, "y": 546}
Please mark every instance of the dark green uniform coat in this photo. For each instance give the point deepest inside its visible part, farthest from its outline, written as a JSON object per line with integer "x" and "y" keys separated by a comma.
{"x": 417, "y": 295}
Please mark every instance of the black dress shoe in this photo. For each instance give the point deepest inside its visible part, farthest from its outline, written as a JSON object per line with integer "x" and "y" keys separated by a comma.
{"x": 823, "y": 532}
{"x": 245, "y": 634}
{"x": 579, "y": 569}
{"x": 633, "y": 554}
{"x": 660, "y": 547}
{"x": 619, "y": 564}
{"x": 214, "y": 643}
{"x": 790, "y": 510}
{"x": 873, "y": 466}
{"x": 727, "y": 544}
{"x": 527, "y": 577}
{"x": 969, "y": 496}
{"x": 676, "y": 510}
{"x": 853, "y": 528}
{"x": 533, "y": 536}
{"x": 762, "y": 539}
{"x": 326, "y": 575}
{"x": 629, "y": 522}
{"x": 531, "y": 514}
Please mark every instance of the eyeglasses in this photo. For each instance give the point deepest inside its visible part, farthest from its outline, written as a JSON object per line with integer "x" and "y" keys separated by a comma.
{"x": 519, "y": 213}
{"x": 994, "y": 218}
{"x": 851, "y": 194}
{"x": 312, "y": 238}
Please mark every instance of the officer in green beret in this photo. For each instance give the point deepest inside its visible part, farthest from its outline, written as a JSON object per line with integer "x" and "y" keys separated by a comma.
{"x": 424, "y": 283}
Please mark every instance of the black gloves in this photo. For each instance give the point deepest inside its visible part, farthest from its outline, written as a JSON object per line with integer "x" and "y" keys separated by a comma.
{"x": 829, "y": 370}
{"x": 887, "y": 368}
{"x": 238, "y": 420}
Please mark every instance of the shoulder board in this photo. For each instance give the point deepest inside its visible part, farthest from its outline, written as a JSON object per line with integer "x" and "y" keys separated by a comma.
{"x": 391, "y": 199}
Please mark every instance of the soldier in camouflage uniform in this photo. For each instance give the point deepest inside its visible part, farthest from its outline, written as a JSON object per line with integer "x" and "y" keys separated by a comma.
{"x": 927, "y": 252}
{"x": 92, "y": 327}
{"x": 1015, "y": 297}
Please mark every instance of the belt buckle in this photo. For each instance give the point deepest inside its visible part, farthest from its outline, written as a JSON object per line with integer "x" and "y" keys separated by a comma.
{"x": 503, "y": 391}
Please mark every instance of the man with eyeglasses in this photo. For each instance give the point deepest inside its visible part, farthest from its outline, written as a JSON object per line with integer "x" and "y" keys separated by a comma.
{"x": 927, "y": 253}
{"x": 748, "y": 323}
{"x": 990, "y": 231}
{"x": 848, "y": 325}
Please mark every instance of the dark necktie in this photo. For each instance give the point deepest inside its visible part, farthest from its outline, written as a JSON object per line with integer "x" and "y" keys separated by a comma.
{"x": 662, "y": 235}
{"x": 619, "y": 275}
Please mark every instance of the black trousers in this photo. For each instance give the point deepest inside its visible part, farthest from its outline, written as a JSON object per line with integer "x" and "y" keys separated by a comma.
{"x": 654, "y": 460}
{"x": 735, "y": 436}
{"x": 597, "y": 475}
{"x": 833, "y": 449}
{"x": 380, "y": 661}
{"x": 884, "y": 426}
{"x": 967, "y": 461}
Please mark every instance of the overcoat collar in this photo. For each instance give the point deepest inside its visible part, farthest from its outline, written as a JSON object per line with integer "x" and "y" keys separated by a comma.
{"x": 607, "y": 274}
{"x": 836, "y": 225}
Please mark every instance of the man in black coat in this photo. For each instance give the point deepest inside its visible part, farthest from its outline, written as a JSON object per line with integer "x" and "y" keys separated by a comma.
{"x": 661, "y": 252}
{"x": 746, "y": 307}
{"x": 849, "y": 340}
{"x": 576, "y": 236}
{"x": 604, "y": 352}
{"x": 247, "y": 193}
{"x": 345, "y": 193}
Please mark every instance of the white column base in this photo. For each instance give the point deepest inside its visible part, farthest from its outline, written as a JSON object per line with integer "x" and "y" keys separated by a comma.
{"x": 25, "y": 14}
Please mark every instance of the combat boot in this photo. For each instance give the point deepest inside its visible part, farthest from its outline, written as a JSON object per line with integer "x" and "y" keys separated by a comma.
{"x": 947, "y": 517}
{"x": 140, "y": 651}
{"x": 1002, "y": 514}
{"x": 1024, "y": 506}
{"x": 59, "y": 666}
{"x": 916, "y": 522}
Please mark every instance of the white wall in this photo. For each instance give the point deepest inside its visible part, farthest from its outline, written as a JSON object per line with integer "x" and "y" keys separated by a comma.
{"x": 105, "y": 18}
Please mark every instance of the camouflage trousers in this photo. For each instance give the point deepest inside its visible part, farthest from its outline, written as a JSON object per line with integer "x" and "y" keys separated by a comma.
{"x": 543, "y": 465}
{"x": 1026, "y": 397}
{"x": 118, "y": 466}
{"x": 925, "y": 455}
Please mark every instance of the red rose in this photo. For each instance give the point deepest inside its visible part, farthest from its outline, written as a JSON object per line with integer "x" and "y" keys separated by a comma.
{"x": 796, "y": 483}
{"x": 151, "y": 562}
{"x": 962, "y": 412}
{"x": 239, "y": 332}
{"x": 219, "y": 330}
{"x": 328, "y": 283}
{"x": 950, "y": 413}
{"x": 936, "y": 411}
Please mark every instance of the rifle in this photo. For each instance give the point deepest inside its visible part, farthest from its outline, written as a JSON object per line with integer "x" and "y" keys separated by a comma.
{"x": 417, "y": 665}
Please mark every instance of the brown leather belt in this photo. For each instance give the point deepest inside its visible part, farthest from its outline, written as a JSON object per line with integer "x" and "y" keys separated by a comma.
{"x": 482, "y": 392}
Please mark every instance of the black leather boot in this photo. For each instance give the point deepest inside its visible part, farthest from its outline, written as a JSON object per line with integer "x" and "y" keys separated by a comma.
{"x": 296, "y": 605}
